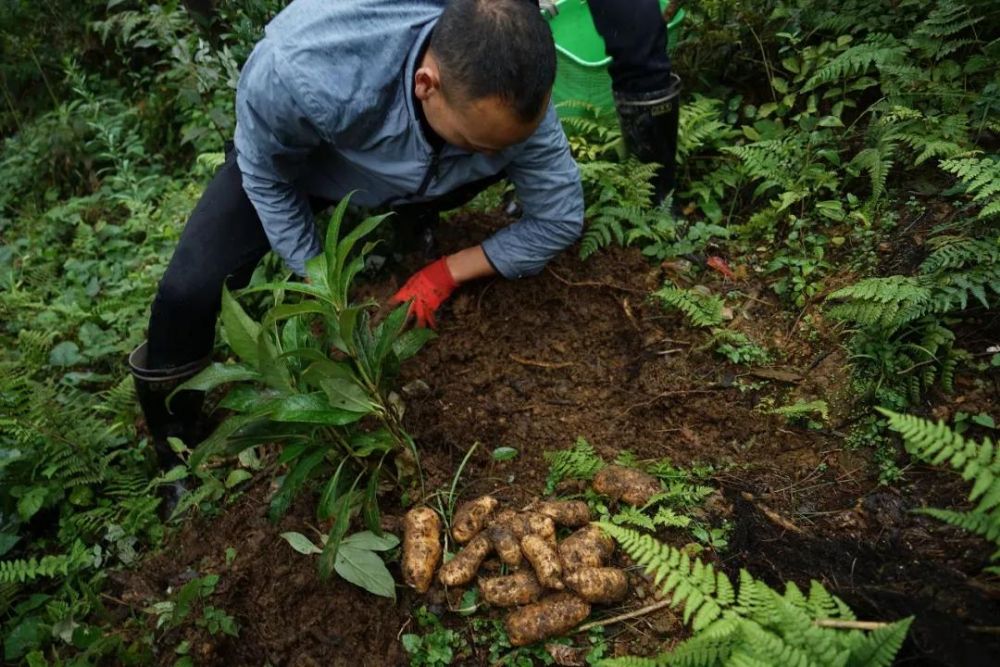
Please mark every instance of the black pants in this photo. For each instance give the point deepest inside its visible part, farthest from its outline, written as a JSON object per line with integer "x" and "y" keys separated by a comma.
{"x": 635, "y": 36}
{"x": 222, "y": 243}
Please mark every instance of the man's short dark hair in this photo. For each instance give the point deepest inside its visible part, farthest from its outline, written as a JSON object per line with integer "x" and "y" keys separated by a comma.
{"x": 496, "y": 48}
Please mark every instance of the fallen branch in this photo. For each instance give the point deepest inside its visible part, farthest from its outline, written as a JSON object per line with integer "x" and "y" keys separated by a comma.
{"x": 624, "y": 617}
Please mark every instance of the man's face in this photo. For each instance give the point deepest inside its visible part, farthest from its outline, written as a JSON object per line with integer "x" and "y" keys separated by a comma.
{"x": 486, "y": 125}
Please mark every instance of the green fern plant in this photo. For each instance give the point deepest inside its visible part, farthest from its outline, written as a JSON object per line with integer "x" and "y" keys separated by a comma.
{"x": 979, "y": 177}
{"x": 581, "y": 461}
{"x": 751, "y": 623}
{"x": 978, "y": 463}
{"x": 701, "y": 309}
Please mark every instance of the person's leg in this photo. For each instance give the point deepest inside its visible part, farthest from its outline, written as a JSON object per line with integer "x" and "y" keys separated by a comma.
{"x": 635, "y": 37}
{"x": 646, "y": 91}
{"x": 222, "y": 239}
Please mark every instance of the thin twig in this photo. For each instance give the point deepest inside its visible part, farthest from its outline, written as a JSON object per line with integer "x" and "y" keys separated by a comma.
{"x": 668, "y": 394}
{"x": 624, "y": 617}
{"x": 542, "y": 364}
{"x": 592, "y": 283}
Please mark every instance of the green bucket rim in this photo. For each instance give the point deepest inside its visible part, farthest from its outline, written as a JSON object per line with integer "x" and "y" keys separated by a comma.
{"x": 673, "y": 25}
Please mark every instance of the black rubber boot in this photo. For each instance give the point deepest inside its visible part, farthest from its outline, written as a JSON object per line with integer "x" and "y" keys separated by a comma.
{"x": 649, "y": 129}
{"x": 180, "y": 420}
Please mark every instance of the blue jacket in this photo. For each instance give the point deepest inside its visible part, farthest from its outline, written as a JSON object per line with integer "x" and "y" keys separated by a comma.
{"x": 325, "y": 106}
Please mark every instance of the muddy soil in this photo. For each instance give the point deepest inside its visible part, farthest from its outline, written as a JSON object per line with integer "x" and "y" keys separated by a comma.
{"x": 580, "y": 351}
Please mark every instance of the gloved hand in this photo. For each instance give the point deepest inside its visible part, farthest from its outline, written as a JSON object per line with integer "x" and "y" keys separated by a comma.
{"x": 427, "y": 288}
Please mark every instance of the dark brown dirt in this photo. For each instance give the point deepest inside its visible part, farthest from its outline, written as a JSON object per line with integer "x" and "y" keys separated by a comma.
{"x": 580, "y": 351}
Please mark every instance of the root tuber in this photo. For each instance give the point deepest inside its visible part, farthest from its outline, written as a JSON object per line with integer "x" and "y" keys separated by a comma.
{"x": 421, "y": 547}
{"x": 470, "y": 518}
{"x": 551, "y": 616}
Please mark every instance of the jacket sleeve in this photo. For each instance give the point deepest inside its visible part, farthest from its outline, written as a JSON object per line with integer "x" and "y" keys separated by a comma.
{"x": 274, "y": 137}
{"x": 547, "y": 182}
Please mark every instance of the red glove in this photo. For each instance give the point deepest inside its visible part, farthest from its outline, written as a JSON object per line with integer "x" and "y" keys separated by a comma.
{"x": 427, "y": 288}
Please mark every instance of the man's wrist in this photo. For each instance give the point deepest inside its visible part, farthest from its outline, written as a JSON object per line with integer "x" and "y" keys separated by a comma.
{"x": 469, "y": 264}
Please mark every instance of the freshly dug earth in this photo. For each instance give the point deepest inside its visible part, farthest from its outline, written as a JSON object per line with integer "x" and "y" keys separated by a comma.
{"x": 579, "y": 351}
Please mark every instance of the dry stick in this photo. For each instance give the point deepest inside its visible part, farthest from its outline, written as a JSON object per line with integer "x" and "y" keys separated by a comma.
{"x": 624, "y": 617}
{"x": 772, "y": 516}
{"x": 668, "y": 394}
{"x": 542, "y": 364}
{"x": 591, "y": 283}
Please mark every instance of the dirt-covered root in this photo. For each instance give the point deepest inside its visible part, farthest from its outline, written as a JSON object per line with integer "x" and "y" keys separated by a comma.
{"x": 462, "y": 569}
{"x": 588, "y": 547}
{"x": 421, "y": 547}
{"x": 516, "y": 589}
{"x": 506, "y": 544}
{"x": 470, "y": 517}
{"x": 629, "y": 485}
{"x": 544, "y": 560}
{"x": 603, "y": 585}
{"x": 569, "y": 513}
{"x": 554, "y": 615}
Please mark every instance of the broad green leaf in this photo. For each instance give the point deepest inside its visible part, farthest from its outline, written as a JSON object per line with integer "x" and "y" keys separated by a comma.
{"x": 324, "y": 369}
{"x": 287, "y": 310}
{"x": 312, "y": 409}
{"x": 291, "y": 286}
{"x": 341, "y": 521}
{"x": 410, "y": 342}
{"x": 347, "y": 395}
{"x": 290, "y": 452}
{"x": 331, "y": 492}
{"x": 369, "y": 508}
{"x": 368, "y": 540}
{"x": 365, "y": 568}
{"x": 504, "y": 454}
{"x": 378, "y": 441}
{"x": 293, "y": 482}
{"x": 366, "y": 227}
{"x": 301, "y": 543}
{"x": 29, "y": 504}
{"x": 348, "y": 321}
{"x": 240, "y": 331}
{"x": 244, "y": 398}
{"x": 388, "y": 331}
{"x": 237, "y": 476}
{"x": 7, "y": 542}
{"x": 273, "y": 369}
{"x": 316, "y": 269}
{"x": 215, "y": 442}
{"x": 332, "y": 238}
{"x": 217, "y": 374}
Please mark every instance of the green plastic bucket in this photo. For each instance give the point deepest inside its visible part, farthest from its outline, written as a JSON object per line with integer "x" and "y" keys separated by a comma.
{"x": 581, "y": 61}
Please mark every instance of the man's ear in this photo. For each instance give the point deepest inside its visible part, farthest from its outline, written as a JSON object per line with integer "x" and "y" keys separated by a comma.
{"x": 426, "y": 83}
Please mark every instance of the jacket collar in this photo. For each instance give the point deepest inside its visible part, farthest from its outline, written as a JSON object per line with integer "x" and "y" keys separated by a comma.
{"x": 409, "y": 71}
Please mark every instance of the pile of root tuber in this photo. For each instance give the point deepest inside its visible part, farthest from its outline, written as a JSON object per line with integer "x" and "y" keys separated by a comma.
{"x": 550, "y": 584}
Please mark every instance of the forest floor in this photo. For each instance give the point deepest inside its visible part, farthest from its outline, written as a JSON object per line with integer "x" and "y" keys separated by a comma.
{"x": 581, "y": 350}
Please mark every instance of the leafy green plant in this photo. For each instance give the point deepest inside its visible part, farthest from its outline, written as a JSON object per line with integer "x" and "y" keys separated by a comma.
{"x": 190, "y": 602}
{"x": 357, "y": 559}
{"x": 321, "y": 394}
{"x": 814, "y": 413}
{"x": 978, "y": 463}
{"x": 581, "y": 461}
{"x": 751, "y": 623}
{"x": 437, "y": 645}
{"x": 701, "y": 307}
{"x": 901, "y": 346}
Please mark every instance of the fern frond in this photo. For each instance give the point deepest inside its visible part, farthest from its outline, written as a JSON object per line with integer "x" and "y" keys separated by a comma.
{"x": 579, "y": 462}
{"x": 979, "y": 177}
{"x": 694, "y": 586}
{"x": 30, "y": 569}
{"x": 878, "y": 50}
{"x": 702, "y": 310}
